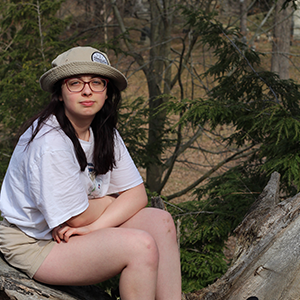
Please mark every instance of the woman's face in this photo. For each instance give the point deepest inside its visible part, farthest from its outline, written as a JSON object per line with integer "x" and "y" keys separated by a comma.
{"x": 83, "y": 105}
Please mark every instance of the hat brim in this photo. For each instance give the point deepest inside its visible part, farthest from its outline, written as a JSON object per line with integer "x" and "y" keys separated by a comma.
{"x": 57, "y": 73}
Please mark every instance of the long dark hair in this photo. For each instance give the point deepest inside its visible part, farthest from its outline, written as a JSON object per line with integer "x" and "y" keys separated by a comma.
{"x": 103, "y": 126}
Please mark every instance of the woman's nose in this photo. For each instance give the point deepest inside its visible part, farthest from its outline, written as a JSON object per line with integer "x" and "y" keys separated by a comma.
{"x": 86, "y": 89}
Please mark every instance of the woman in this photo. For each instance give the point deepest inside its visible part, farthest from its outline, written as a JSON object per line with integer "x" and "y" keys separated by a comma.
{"x": 72, "y": 199}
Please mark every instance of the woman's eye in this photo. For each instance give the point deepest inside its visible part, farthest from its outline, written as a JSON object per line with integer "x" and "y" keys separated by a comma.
{"x": 97, "y": 82}
{"x": 74, "y": 82}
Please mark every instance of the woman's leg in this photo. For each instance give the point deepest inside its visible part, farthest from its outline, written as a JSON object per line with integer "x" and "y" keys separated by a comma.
{"x": 161, "y": 227}
{"x": 100, "y": 255}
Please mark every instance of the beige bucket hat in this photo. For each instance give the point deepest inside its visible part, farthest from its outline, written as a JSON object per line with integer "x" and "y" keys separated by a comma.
{"x": 81, "y": 60}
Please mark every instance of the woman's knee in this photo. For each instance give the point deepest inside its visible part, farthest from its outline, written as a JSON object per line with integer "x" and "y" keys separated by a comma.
{"x": 146, "y": 248}
{"x": 164, "y": 221}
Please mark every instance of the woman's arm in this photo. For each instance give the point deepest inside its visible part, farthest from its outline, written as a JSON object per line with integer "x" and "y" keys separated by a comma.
{"x": 120, "y": 210}
{"x": 92, "y": 213}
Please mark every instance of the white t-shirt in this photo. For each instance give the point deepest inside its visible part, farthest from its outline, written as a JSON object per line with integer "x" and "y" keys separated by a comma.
{"x": 44, "y": 187}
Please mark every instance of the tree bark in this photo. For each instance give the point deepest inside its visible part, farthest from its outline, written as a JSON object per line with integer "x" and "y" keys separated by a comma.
{"x": 159, "y": 82}
{"x": 243, "y": 17}
{"x": 15, "y": 285}
{"x": 281, "y": 40}
{"x": 266, "y": 263}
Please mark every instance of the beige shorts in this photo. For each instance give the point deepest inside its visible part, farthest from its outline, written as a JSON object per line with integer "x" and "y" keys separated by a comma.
{"x": 22, "y": 251}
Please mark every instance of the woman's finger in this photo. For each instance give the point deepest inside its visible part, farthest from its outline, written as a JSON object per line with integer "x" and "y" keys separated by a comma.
{"x": 54, "y": 234}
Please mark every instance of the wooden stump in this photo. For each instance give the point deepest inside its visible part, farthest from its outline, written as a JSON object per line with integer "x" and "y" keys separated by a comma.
{"x": 266, "y": 265}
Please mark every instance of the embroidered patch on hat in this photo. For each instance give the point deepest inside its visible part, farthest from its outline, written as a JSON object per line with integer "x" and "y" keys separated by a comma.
{"x": 100, "y": 58}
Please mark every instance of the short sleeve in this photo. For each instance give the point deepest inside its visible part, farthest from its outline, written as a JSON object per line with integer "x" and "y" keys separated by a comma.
{"x": 125, "y": 175}
{"x": 56, "y": 188}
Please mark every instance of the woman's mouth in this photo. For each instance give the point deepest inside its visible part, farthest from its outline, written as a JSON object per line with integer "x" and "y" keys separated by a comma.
{"x": 87, "y": 103}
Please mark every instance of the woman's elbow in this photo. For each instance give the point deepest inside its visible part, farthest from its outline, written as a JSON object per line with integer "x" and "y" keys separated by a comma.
{"x": 143, "y": 195}
{"x": 77, "y": 221}
{"x": 83, "y": 219}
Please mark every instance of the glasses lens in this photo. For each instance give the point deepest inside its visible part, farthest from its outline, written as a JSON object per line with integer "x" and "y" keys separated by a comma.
{"x": 98, "y": 84}
{"x": 75, "y": 84}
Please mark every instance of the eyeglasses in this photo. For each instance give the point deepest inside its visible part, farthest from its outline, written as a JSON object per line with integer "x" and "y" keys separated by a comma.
{"x": 76, "y": 85}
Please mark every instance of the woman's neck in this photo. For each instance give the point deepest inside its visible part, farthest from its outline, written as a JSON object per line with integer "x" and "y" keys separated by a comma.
{"x": 82, "y": 127}
{"x": 83, "y": 135}
{"x": 82, "y": 130}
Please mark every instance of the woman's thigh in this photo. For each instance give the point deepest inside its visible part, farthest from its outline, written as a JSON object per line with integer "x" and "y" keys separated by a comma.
{"x": 97, "y": 256}
{"x": 156, "y": 222}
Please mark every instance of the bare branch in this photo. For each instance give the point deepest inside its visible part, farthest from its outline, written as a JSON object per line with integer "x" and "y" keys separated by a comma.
{"x": 139, "y": 59}
{"x": 179, "y": 150}
{"x": 158, "y": 5}
{"x": 192, "y": 43}
{"x": 40, "y": 28}
{"x": 262, "y": 23}
{"x": 185, "y": 146}
{"x": 210, "y": 172}
{"x": 195, "y": 213}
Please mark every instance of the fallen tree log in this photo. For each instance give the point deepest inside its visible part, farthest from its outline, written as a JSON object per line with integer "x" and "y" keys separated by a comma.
{"x": 266, "y": 264}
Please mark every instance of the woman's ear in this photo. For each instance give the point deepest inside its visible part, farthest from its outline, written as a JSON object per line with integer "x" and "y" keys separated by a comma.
{"x": 60, "y": 98}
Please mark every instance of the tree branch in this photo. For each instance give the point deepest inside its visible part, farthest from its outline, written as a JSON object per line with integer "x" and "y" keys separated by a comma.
{"x": 139, "y": 59}
{"x": 179, "y": 150}
{"x": 262, "y": 23}
{"x": 210, "y": 172}
{"x": 171, "y": 161}
{"x": 186, "y": 59}
{"x": 40, "y": 28}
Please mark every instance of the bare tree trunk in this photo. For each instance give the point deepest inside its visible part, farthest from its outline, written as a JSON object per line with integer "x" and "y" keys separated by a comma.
{"x": 243, "y": 17}
{"x": 157, "y": 70}
{"x": 105, "y": 22}
{"x": 281, "y": 40}
{"x": 116, "y": 30}
{"x": 158, "y": 83}
{"x": 88, "y": 6}
{"x": 266, "y": 264}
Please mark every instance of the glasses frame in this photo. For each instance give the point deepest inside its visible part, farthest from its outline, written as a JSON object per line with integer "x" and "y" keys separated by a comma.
{"x": 86, "y": 82}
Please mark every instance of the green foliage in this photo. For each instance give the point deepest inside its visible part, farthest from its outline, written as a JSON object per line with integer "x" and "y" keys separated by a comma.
{"x": 201, "y": 244}
{"x": 207, "y": 223}
{"x": 27, "y": 46}
{"x": 263, "y": 109}
{"x": 111, "y": 286}
{"x": 133, "y": 125}
{"x": 265, "y": 114}
{"x": 200, "y": 270}
{"x": 29, "y": 34}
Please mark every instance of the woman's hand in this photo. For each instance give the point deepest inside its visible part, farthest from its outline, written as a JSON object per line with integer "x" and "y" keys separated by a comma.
{"x": 64, "y": 232}
{"x": 111, "y": 212}
{"x": 74, "y": 227}
{"x": 54, "y": 234}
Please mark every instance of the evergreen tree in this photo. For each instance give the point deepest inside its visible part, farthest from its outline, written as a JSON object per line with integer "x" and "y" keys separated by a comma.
{"x": 265, "y": 114}
{"x": 30, "y": 36}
